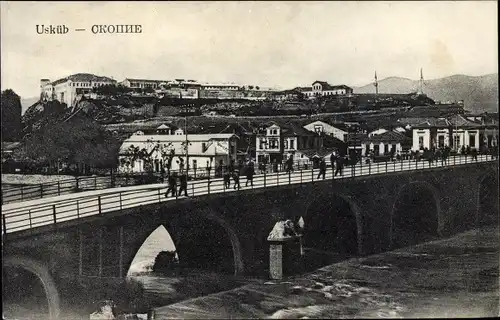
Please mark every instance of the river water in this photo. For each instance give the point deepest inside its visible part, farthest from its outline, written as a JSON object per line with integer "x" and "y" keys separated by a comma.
{"x": 455, "y": 277}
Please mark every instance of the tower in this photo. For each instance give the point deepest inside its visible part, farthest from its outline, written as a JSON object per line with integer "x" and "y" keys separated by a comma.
{"x": 376, "y": 83}
{"x": 421, "y": 83}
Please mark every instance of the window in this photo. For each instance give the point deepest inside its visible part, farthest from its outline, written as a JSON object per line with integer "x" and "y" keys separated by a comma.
{"x": 285, "y": 144}
{"x": 195, "y": 163}
{"x": 291, "y": 144}
{"x": 376, "y": 149}
{"x": 318, "y": 128}
{"x": 420, "y": 142}
{"x": 440, "y": 141}
{"x": 273, "y": 144}
{"x": 203, "y": 147}
{"x": 456, "y": 141}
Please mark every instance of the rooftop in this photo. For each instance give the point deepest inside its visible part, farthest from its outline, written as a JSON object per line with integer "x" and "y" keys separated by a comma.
{"x": 83, "y": 77}
{"x": 389, "y": 136}
{"x": 326, "y": 86}
{"x": 452, "y": 121}
{"x": 179, "y": 138}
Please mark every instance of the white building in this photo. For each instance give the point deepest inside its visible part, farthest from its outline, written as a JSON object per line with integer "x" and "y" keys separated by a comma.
{"x": 323, "y": 88}
{"x": 338, "y": 131}
{"x": 142, "y": 83}
{"x": 384, "y": 143}
{"x": 455, "y": 132}
{"x": 204, "y": 150}
{"x": 68, "y": 90}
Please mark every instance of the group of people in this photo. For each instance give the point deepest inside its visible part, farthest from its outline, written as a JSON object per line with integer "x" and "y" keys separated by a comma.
{"x": 337, "y": 163}
{"x": 172, "y": 184}
{"x": 234, "y": 172}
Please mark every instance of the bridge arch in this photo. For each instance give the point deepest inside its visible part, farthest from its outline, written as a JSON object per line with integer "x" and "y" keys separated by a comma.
{"x": 487, "y": 198}
{"x": 415, "y": 215}
{"x": 198, "y": 236}
{"x": 332, "y": 223}
{"x": 41, "y": 271}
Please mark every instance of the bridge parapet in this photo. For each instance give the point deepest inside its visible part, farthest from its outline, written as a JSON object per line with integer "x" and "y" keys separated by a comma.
{"x": 31, "y": 215}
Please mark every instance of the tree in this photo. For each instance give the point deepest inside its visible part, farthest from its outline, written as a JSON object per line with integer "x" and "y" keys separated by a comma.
{"x": 257, "y": 87}
{"x": 11, "y": 115}
{"x": 79, "y": 142}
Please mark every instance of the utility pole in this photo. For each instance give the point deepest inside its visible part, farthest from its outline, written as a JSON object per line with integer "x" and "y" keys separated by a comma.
{"x": 187, "y": 143}
{"x": 421, "y": 84}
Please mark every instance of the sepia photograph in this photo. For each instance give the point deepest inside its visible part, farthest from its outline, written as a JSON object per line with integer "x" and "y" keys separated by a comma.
{"x": 249, "y": 160}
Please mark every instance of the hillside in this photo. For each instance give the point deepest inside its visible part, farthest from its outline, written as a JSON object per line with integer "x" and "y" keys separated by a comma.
{"x": 479, "y": 93}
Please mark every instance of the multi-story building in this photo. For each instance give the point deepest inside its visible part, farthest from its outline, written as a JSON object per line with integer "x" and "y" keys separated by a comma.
{"x": 67, "y": 90}
{"x": 203, "y": 151}
{"x": 323, "y": 88}
{"x": 277, "y": 143}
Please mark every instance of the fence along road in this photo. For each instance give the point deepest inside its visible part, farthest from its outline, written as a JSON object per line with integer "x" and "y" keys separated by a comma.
{"x": 45, "y": 211}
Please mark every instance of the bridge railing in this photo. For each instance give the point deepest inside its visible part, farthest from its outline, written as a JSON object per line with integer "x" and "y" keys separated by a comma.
{"x": 21, "y": 216}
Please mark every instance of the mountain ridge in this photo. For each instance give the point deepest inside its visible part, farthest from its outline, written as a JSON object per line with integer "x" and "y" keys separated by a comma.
{"x": 480, "y": 93}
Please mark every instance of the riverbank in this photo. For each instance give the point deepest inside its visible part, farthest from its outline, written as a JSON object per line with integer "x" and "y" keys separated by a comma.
{"x": 454, "y": 277}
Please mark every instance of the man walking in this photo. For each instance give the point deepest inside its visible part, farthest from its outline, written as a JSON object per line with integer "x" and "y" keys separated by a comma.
{"x": 236, "y": 178}
{"x": 333, "y": 158}
{"x": 250, "y": 172}
{"x": 172, "y": 184}
{"x": 339, "y": 164}
{"x": 322, "y": 169}
{"x": 183, "y": 179}
{"x": 227, "y": 179}
{"x": 209, "y": 168}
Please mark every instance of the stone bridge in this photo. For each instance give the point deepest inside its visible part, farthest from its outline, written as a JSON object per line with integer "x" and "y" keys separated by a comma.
{"x": 227, "y": 232}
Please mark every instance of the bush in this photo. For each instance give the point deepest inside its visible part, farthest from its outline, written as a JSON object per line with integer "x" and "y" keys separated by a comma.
{"x": 165, "y": 261}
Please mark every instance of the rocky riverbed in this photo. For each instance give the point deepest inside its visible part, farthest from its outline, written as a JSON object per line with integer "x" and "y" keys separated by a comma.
{"x": 454, "y": 277}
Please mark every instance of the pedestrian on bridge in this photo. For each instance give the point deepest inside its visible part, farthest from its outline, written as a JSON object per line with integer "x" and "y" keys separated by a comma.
{"x": 250, "y": 171}
{"x": 289, "y": 164}
{"x": 333, "y": 158}
{"x": 209, "y": 168}
{"x": 340, "y": 165}
{"x": 322, "y": 169}
{"x": 227, "y": 179}
{"x": 172, "y": 184}
{"x": 183, "y": 181}
{"x": 236, "y": 178}
{"x": 473, "y": 154}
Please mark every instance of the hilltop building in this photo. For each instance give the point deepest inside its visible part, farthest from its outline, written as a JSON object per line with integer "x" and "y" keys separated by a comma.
{"x": 323, "y": 88}
{"x": 67, "y": 90}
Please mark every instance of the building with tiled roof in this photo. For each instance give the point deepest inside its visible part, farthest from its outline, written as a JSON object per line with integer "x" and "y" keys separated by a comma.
{"x": 323, "y": 88}
{"x": 67, "y": 90}
{"x": 337, "y": 130}
{"x": 278, "y": 142}
{"x": 204, "y": 150}
{"x": 455, "y": 132}
{"x": 385, "y": 143}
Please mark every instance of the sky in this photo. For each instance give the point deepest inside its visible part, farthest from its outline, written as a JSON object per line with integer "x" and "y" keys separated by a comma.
{"x": 277, "y": 44}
